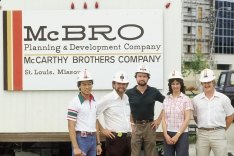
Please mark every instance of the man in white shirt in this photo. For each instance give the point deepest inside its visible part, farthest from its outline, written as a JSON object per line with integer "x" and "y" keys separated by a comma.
{"x": 213, "y": 114}
{"x": 81, "y": 116}
{"x": 116, "y": 112}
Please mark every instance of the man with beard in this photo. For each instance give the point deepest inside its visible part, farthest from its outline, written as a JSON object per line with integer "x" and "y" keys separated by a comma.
{"x": 142, "y": 99}
{"x": 116, "y": 112}
{"x": 213, "y": 114}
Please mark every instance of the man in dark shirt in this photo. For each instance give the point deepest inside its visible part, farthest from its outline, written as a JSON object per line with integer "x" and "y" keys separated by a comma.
{"x": 142, "y": 99}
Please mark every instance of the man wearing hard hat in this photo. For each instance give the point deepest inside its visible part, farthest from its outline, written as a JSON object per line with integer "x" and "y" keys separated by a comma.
{"x": 81, "y": 118}
{"x": 213, "y": 114}
{"x": 142, "y": 99}
{"x": 116, "y": 112}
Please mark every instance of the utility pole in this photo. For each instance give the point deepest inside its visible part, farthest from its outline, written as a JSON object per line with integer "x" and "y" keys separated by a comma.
{"x": 212, "y": 32}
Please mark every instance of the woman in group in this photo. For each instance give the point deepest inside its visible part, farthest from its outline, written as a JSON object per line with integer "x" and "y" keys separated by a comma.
{"x": 175, "y": 117}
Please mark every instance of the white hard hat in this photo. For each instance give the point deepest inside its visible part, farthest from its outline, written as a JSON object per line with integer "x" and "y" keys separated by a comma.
{"x": 207, "y": 75}
{"x": 121, "y": 77}
{"x": 84, "y": 76}
{"x": 143, "y": 69}
{"x": 175, "y": 75}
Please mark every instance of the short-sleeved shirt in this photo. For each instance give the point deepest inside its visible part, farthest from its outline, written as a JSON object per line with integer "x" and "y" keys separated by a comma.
{"x": 212, "y": 112}
{"x": 142, "y": 105}
{"x": 116, "y": 112}
{"x": 83, "y": 112}
{"x": 174, "y": 109}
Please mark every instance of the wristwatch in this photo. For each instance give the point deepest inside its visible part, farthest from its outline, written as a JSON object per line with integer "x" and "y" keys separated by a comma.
{"x": 99, "y": 143}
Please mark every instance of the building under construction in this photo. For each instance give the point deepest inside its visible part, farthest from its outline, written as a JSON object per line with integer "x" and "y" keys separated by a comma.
{"x": 208, "y": 29}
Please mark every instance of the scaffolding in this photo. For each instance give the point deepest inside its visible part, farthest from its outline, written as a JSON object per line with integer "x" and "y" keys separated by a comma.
{"x": 197, "y": 26}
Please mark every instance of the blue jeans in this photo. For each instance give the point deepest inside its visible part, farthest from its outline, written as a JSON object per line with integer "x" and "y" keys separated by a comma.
{"x": 181, "y": 148}
{"x": 87, "y": 144}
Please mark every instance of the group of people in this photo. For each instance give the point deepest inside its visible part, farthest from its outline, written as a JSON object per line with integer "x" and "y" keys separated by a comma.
{"x": 129, "y": 122}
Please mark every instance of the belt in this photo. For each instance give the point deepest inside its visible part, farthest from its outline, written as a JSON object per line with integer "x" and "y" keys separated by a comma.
{"x": 85, "y": 133}
{"x": 143, "y": 121}
{"x": 211, "y": 129}
{"x": 120, "y": 134}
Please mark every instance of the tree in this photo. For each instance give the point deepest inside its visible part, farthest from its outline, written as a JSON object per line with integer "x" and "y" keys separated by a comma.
{"x": 194, "y": 66}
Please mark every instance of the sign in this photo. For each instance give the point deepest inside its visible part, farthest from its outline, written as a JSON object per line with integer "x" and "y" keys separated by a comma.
{"x": 45, "y": 50}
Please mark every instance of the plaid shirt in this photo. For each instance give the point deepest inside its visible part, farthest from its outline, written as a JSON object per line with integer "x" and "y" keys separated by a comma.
{"x": 174, "y": 109}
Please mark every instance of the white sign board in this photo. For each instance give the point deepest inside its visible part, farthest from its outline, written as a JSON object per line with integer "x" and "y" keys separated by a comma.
{"x": 45, "y": 50}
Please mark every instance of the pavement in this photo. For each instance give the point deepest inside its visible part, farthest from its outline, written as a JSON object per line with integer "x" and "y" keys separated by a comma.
{"x": 230, "y": 138}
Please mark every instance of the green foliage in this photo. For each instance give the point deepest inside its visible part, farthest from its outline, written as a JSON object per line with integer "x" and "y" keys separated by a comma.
{"x": 192, "y": 139}
{"x": 195, "y": 65}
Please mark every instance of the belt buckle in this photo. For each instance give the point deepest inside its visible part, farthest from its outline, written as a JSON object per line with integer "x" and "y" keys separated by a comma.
{"x": 218, "y": 128}
{"x": 144, "y": 121}
{"x": 83, "y": 134}
{"x": 119, "y": 134}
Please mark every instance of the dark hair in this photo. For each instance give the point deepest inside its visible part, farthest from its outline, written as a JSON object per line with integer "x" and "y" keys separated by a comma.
{"x": 143, "y": 73}
{"x": 79, "y": 83}
{"x": 182, "y": 88}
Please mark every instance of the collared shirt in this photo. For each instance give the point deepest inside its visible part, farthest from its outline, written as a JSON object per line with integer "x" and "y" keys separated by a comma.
{"x": 174, "y": 108}
{"x": 212, "y": 112}
{"x": 83, "y": 112}
{"x": 116, "y": 112}
{"x": 142, "y": 105}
